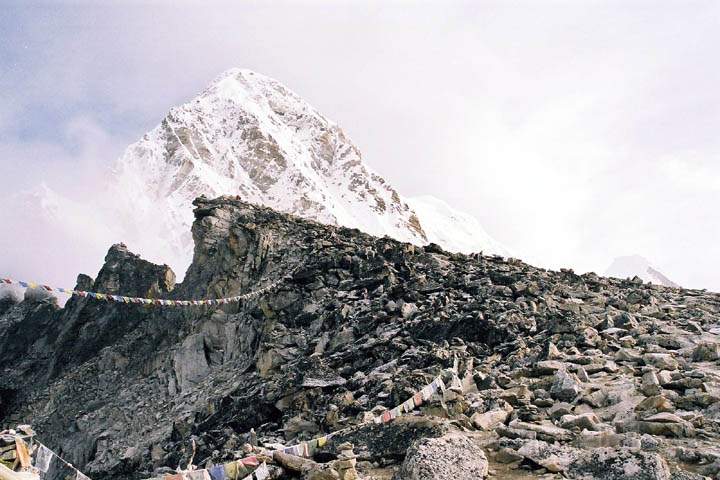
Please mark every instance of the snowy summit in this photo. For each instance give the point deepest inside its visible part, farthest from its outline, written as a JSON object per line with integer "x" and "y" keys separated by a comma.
{"x": 248, "y": 135}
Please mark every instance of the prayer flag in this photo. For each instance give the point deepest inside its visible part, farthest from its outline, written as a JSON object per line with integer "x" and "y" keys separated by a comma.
{"x": 197, "y": 475}
{"x": 322, "y": 441}
{"x": 250, "y": 461}
{"x": 217, "y": 473}
{"x": 58, "y": 470}
{"x": 42, "y": 458}
{"x": 262, "y": 472}
{"x": 231, "y": 470}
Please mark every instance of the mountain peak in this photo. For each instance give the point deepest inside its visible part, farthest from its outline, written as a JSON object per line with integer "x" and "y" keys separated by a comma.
{"x": 636, "y": 265}
{"x": 248, "y": 135}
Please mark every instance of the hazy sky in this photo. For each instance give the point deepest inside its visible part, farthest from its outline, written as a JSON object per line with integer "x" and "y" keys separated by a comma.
{"x": 576, "y": 131}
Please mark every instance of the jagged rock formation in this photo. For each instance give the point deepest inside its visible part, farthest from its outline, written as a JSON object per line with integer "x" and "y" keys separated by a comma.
{"x": 556, "y": 372}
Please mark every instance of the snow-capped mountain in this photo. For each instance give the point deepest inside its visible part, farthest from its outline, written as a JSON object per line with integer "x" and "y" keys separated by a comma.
{"x": 248, "y": 135}
{"x": 635, "y": 265}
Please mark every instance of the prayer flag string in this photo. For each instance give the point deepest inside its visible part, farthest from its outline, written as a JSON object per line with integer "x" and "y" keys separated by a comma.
{"x": 149, "y": 301}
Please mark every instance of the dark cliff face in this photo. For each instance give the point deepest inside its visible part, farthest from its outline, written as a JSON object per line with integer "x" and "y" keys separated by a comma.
{"x": 121, "y": 389}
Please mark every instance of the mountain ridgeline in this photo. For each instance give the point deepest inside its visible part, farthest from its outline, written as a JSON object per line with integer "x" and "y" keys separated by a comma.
{"x": 245, "y": 134}
{"x": 547, "y": 373}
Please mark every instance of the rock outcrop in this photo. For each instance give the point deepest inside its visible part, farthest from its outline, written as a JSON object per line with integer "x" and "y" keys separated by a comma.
{"x": 546, "y": 372}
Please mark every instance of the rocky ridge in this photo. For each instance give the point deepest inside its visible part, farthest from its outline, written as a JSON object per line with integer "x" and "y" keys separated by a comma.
{"x": 549, "y": 374}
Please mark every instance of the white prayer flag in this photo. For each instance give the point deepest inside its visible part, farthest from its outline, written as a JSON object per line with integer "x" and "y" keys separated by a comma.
{"x": 262, "y": 472}
{"x": 42, "y": 458}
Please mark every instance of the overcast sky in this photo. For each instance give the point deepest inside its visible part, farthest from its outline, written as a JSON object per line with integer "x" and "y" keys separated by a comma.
{"x": 576, "y": 131}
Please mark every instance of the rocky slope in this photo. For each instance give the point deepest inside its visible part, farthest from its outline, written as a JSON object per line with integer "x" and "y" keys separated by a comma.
{"x": 548, "y": 373}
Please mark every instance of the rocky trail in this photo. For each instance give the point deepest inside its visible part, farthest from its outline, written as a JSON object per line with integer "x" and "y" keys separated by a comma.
{"x": 548, "y": 374}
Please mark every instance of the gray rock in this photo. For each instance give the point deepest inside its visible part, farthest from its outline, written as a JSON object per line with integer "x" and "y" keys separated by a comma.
{"x": 618, "y": 464}
{"x": 661, "y": 361}
{"x": 706, "y": 352}
{"x": 565, "y": 386}
{"x": 489, "y": 420}
{"x": 585, "y": 421}
{"x": 650, "y": 384}
{"x": 445, "y": 458}
{"x": 554, "y": 458}
{"x": 544, "y": 431}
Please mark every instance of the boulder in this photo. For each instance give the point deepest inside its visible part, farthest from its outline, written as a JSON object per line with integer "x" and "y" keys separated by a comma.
{"x": 554, "y": 458}
{"x": 618, "y": 464}
{"x": 661, "y": 361}
{"x": 706, "y": 352}
{"x": 378, "y": 442}
{"x": 584, "y": 421}
{"x": 565, "y": 386}
{"x": 489, "y": 420}
{"x": 450, "y": 457}
{"x": 544, "y": 431}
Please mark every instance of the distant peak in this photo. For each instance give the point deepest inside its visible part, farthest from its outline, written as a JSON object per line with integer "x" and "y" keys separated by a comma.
{"x": 629, "y": 266}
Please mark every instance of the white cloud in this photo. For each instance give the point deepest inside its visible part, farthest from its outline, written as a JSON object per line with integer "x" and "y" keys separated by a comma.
{"x": 575, "y": 132}
{"x": 695, "y": 173}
